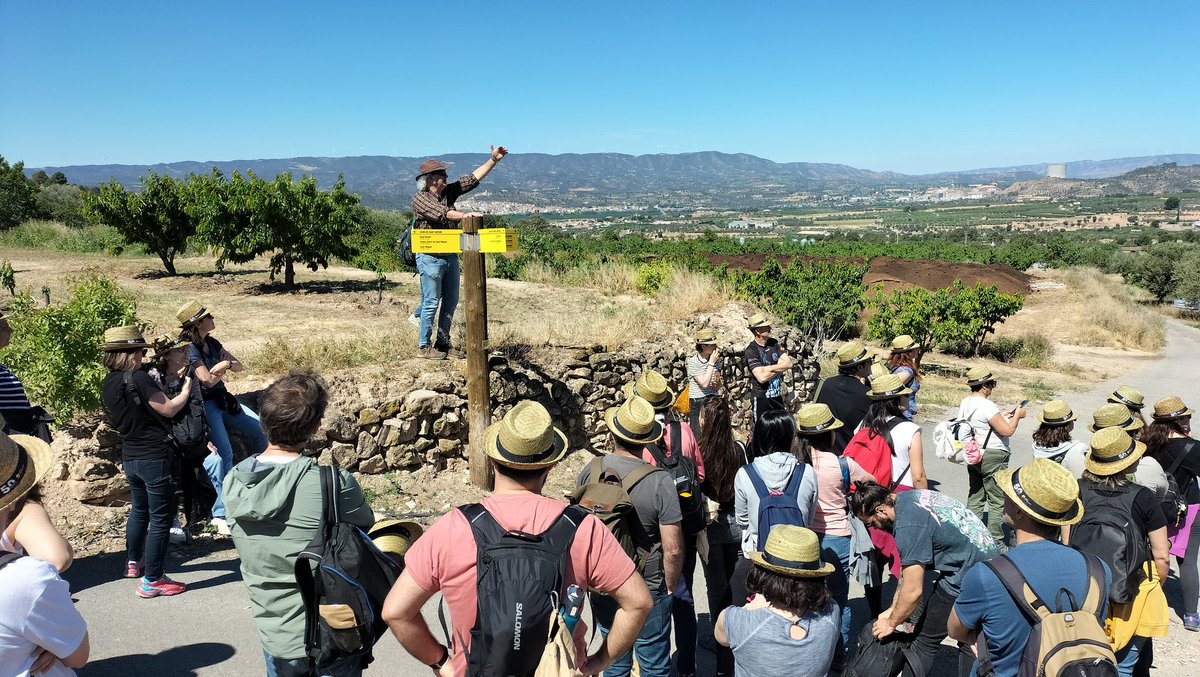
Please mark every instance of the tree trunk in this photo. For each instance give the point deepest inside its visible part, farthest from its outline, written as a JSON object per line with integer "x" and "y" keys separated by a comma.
{"x": 168, "y": 262}
{"x": 289, "y": 273}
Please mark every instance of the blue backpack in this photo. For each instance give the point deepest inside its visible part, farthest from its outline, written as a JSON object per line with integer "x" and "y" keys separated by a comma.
{"x": 776, "y": 508}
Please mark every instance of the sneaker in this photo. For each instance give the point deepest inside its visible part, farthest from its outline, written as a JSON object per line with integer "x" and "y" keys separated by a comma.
{"x": 133, "y": 569}
{"x": 178, "y": 536}
{"x": 1191, "y": 622}
{"x": 414, "y": 321}
{"x": 163, "y": 587}
{"x": 221, "y": 525}
{"x": 431, "y": 353}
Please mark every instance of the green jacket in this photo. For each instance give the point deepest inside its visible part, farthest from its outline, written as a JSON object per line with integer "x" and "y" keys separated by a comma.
{"x": 274, "y": 511}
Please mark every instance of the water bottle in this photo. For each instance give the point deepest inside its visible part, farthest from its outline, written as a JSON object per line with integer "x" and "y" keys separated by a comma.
{"x": 572, "y": 607}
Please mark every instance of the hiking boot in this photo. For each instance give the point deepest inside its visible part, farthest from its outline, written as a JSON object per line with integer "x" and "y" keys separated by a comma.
{"x": 454, "y": 353}
{"x": 1191, "y": 622}
{"x": 133, "y": 569}
{"x": 163, "y": 587}
{"x": 431, "y": 353}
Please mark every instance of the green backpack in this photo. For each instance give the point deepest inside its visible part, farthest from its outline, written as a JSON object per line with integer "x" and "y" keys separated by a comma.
{"x": 606, "y": 495}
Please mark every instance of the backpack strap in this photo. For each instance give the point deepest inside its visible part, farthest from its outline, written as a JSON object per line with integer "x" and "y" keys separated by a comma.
{"x": 1027, "y": 601}
{"x": 129, "y": 389}
{"x": 640, "y": 473}
{"x": 888, "y": 427}
{"x": 760, "y": 487}
{"x": 484, "y": 527}
{"x": 845, "y": 466}
{"x": 676, "y": 439}
{"x": 656, "y": 453}
{"x": 1097, "y": 592}
{"x": 792, "y": 488}
{"x": 1181, "y": 457}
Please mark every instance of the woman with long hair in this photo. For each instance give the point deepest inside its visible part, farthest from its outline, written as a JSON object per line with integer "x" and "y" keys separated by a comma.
{"x": 906, "y": 353}
{"x": 723, "y": 457}
{"x": 1052, "y": 439}
{"x": 885, "y": 418}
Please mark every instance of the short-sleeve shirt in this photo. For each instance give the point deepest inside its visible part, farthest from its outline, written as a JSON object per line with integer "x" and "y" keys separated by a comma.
{"x": 979, "y": 412}
{"x": 847, "y": 398}
{"x": 430, "y": 210}
{"x": 656, "y": 503}
{"x": 697, "y": 367}
{"x": 12, "y": 393}
{"x": 209, "y": 357}
{"x": 913, "y": 384}
{"x": 38, "y": 612}
{"x": 763, "y": 647}
{"x": 985, "y": 605}
{"x": 764, "y": 356}
{"x": 830, "y": 514}
{"x": 942, "y": 534}
{"x": 443, "y": 559}
{"x": 143, "y": 438}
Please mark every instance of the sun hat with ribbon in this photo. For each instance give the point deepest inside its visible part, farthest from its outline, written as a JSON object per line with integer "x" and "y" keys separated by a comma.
{"x": 1055, "y": 413}
{"x": 1113, "y": 450}
{"x": 166, "y": 343}
{"x": 652, "y": 387}
{"x": 792, "y": 551}
{"x": 904, "y": 343}
{"x": 1130, "y": 397}
{"x": 878, "y": 367}
{"x": 190, "y": 313}
{"x": 852, "y": 353}
{"x": 525, "y": 438}
{"x": 757, "y": 320}
{"x": 1171, "y": 408}
{"x": 634, "y": 422}
{"x": 127, "y": 337}
{"x": 706, "y": 337}
{"x": 1115, "y": 415}
{"x": 1044, "y": 490}
{"x": 25, "y": 460}
{"x": 431, "y": 166}
{"x": 813, "y": 419}
{"x": 394, "y": 536}
{"x": 977, "y": 376}
{"x": 886, "y": 387}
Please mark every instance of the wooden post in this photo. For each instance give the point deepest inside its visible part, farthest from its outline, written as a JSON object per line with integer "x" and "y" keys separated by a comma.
{"x": 479, "y": 402}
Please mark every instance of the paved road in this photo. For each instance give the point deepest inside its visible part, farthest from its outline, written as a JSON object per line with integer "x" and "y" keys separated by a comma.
{"x": 208, "y": 631}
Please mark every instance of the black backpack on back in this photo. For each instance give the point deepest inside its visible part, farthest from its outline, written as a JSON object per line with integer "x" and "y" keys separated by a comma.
{"x": 1107, "y": 530}
{"x": 189, "y": 429}
{"x": 404, "y": 245}
{"x": 343, "y": 597}
{"x": 1174, "y": 502}
{"x": 521, "y": 584}
{"x": 687, "y": 486}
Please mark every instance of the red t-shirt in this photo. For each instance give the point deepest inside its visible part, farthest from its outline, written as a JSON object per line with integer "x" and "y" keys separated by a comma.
{"x": 443, "y": 559}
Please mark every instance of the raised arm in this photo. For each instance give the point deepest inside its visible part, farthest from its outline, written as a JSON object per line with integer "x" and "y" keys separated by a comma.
{"x": 487, "y": 167}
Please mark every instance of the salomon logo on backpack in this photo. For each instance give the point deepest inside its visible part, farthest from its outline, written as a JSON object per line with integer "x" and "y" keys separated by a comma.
{"x": 1107, "y": 530}
{"x": 521, "y": 582}
{"x": 775, "y": 508}
{"x": 683, "y": 472}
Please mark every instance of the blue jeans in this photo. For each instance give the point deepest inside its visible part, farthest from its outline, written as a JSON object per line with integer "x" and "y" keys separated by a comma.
{"x": 152, "y": 506}
{"x": 219, "y": 464}
{"x": 683, "y": 612}
{"x": 298, "y": 667}
{"x": 1128, "y": 656}
{"x": 439, "y": 284}
{"x": 653, "y": 645}
{"x": 836, "y": 551}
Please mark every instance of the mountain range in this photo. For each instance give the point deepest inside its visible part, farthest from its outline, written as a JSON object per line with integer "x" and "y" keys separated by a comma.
{"x": 530, "y": 181}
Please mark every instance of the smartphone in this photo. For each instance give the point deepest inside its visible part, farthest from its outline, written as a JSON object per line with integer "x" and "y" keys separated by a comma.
{"x": 1023, "y": 403}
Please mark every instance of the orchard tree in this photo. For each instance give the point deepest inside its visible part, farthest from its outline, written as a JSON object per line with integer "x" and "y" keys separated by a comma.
{"x": 1155, "y": 270}
{"x": 957, "y": 317}
{"x": 1188, "y": 271}
{"x": 1172, "y": 203}
{"x": 155, "y": 218}
{"x": 18, "y": 197}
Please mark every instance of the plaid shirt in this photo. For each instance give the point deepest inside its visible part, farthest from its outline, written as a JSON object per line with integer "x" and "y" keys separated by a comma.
{"x": 431, "y": 209}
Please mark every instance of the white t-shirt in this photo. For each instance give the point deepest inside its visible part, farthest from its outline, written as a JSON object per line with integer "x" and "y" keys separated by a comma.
{"x": 36, "y": 610}
{"x": 979, "y": 411}
{"x": 902, "y": 437}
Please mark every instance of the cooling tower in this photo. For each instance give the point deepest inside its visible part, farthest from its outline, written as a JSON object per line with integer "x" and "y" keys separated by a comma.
{"x": 1056, "y": 171}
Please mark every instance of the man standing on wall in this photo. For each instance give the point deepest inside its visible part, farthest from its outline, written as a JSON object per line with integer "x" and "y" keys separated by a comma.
{"x": 767, "y": 363}
{"x": 433, "y": 207}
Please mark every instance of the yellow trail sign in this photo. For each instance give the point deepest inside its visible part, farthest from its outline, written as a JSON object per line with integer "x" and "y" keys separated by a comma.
{"x": 497, "y": 240}
{"x": 430, "y": 241}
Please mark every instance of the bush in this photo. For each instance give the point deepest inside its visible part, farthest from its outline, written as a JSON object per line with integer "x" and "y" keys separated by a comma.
{"x": 1031, "y": 350}
{"x": 38, "y": 234}
{"x": 820, "y": 298}
{"x": 56, "y": 351}
{"x": 957, "y": 318}
{"x": 651, "y": 277}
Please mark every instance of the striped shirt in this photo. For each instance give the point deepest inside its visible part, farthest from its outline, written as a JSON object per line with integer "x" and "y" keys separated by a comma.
{"x": 697, "y": 367}
{"x": 12, "y": 393}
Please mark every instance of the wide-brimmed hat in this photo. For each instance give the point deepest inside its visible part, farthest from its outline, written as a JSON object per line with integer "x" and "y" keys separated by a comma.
{"x": 816, "y": 418}
{"x": 886, "y": 387}
{"x": 126, "y": 337}
{"x": 1115, "y": 415}
{"x": 190, "y": 313}
{"x": 977, "y": 376}
{"x": 1044, "y": 490}
{"x": 1113, "y": 450}
{"x": 525, "y": 438}
{"x": 394, "y": 536}
{"x": 652, "y": 387}
{"x": 1056, "y": 412}
{"x": 24, "y": 461}
{"x": 166, "y": 343}
{"x": 904, "y": 343}
{"x": 1171, "y": 408}
{"x": 852, "y": 353}
{"x": 792, "y": 551}
{"x": 431, "y": 166}
{"x": 757, "y": 320}
{"x": 706, "y": 337}
{"x": 1130, "y": 397}
{"x": 634, "y": 422}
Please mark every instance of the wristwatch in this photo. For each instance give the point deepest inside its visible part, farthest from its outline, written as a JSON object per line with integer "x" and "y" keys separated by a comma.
{"x": 445, "y": 657}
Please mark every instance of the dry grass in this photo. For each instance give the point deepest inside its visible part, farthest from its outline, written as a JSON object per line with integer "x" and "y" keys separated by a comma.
{"x": 368, "y": 347}
{"x": 610, "y": 277}
{"x": 1113, "y": 317}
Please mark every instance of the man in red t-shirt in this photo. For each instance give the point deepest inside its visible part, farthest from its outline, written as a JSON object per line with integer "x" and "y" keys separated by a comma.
{"x": 523, "y": 447}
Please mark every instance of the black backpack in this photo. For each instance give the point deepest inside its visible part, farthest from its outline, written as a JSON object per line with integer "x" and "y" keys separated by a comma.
{"x": 1174, "y": 503}
{"x": 1107, "y": 530}
{"x": 343, "y": 597}
{"x": 521, "y": 584}
{"x": 404, "y": 246}
{"x": 687, "y": 486}
{"x": 187, "y": 433}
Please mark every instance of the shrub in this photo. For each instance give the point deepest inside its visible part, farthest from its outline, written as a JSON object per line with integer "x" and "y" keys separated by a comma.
{"x": 820, "y": 298}
{"x": 39, "y": 234}
{"x": 957, "y": 318}
{"x": 651, "y": 277}
{"x": 8, "y": 278}
{"x": 56, "y": 351}
{"x": 1030, "y": 350}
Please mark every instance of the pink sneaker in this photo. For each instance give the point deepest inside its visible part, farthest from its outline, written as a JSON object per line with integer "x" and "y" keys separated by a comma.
{"x": 163, "y": 586}
{"x": 133, "y": 570}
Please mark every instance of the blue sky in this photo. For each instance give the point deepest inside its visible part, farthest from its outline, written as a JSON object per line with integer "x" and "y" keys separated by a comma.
{"x": 904, "y": 86}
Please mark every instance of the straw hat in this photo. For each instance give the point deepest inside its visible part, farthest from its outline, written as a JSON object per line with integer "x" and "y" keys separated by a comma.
{"x": 190, "y": 313}
{"x": 24, "y": 461}
{"x": 652, "y": 387}
{"x": 852, "y": 353}
{"x": 127, "y": 337}
{"x": 1056, "y": 412}
{"x": 394, "y": 536}
{"x": 1171, "y": 408}
{"x": 525, "y": 438}
{"x": 886, "y": 387}
{"x": 1113, "y": 450}
{"x": 166, "y": 343}
{"x": 816, "y": 418}
{"x": 1115, "y": 415}
{"x": 904, "y": 343}
{"x": 706, "y": 337}
{"x": 1044, "y": 490}
{"x": 977, "y": 376}
{"x": 792, "y": 551}
{"x": 758, "y": 320}
{"x": 634, "y": 422}
{"x": 1130, "y": 397}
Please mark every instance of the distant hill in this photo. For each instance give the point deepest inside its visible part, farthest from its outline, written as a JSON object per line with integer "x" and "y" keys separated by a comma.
{"x": 593, "y": 180}
{"x": 1101, "y": 169}
{"x": 1162, "y": 179}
